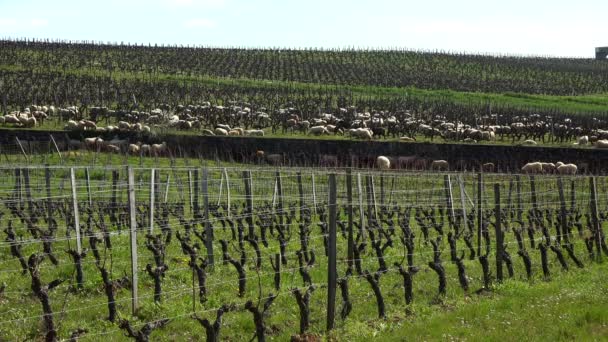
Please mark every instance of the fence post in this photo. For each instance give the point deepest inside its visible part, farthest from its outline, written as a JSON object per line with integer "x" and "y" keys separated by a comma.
{"x": 88, "y": 180}
{"x": 208, "y": 230}
{"x": 28, "y": 190}
{"x": 75, "y": 208}
{"x": 280, "y": 197}
{"x": 228, "y": 191}
{"x": 447, "y": 182}
{"x": 196, "y": 186}
{"x": 56, "y": 148}
{"x": 114, "y": 189}
{"x": 463, "y": 203}
{"x": 300, "y": 192}
{"x": 499, "y": 235}
{"x": 349, "y": 194}
{"x": 249, "y": 203}
{"x": 314, "y": 195}
{"x": 331, "y": 265}
{"x": 520, "y": 208}
{"x": 152, "y": 197}
{"x": 47, "y": 179}
{"x": 479, "y": 211}
{"x": 564, "y": 217}
{"x": 133, "y": 238}
{"x": 167, "y": 187}
{"x": 361, "y": 211}
{"x": 594, "y": 215}
{"x": 27, "y": 160}
{"x": 18, "y": 191}
{"x": 191, "y": 192}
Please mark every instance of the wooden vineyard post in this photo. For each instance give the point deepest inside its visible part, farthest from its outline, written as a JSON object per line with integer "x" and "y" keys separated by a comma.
{"x": 114, "y": 189}
{"x": 349, "y": 194}
{"x": 280, "y": 198}
{"x": 88, "y": 180}
{"x": 18, "y": 191}
{"x": 49, "y": 201}
{"x": 191, "y": 192}
{"x": 196, "y": 186}
{"x": 75, "y": 208}
{"x": 249, "y": 203}
{"x": 499, "y": 235}
{"x": 225, "y": 172}
{"x": 562, "y": 212}
{"x": 373, "y": 193}
{"x": 381, "y": 190}
{"x": 56, "y": 148}
{"x": 133, "y": 238}
{"x": 520, "y": 208}
{"x": 28, "y": 190}
{"x": 479, "y": 211}
{"x": 463, "y": 202}
{"x": 314, "y": 195}
{"x": 152, "y": 197}
{"x": 332, "y": 280}
{"x": 447, "y": 182}
{"x": 595, "y": 218}
{"x": 167, "y": 188}
{"x": 208, "y": 228}
{"x": 27, "y": 160}
{"x": 301, "y": 193}
{"x": 361, "y": 211}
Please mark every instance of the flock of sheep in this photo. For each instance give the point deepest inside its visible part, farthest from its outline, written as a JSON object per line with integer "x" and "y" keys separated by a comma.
{"x": 384, "y": 163}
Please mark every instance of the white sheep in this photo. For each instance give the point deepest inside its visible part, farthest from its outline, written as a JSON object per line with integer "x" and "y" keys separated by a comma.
{"x": 440, "y": 165}
{"x": 220, "y": 131}
{"x": 157, "y": 149}
{"x": 558, "y": 164}
{"x": 383, "y": 163}
{"x": 224, "y": 127}
{"x": 234, "y": 132}
{"x": 406, "y": 139}
{"x": 548, "y": 167}
{"x": 584, "y": 140}
{"x": 535, "y": 167}
{"x": 254, "y": 132}
{"x": 112, "y": 148}
{"x": 529, "y": 142}
{"x": 601, "y": 144}
{"x": 133, "y": 148}
{"x": 567, "y": 169}
{"x": 317, "y": 130}
{"x": 207, "y": 132}
{"x": 145, "y": 149}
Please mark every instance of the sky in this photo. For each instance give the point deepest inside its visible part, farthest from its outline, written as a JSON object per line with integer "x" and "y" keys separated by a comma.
{"x": 513, "y": 27}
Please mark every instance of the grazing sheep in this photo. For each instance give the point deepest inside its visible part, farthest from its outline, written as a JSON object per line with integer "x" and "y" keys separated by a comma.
{"x": 224, "y": 127}
{"x": 145, "y": 149}
{"x": 529, "y": 142}
{"x": 124, "y": 126}
{"x": 584, "y": 140}
{"x": 112, "y": 148}
{"x": 548, "y": 167}
{"x": 441, "y": 165}
{"x": 535, "y": 167}
{"x": 234, "y": 132}
{"x": 93, "y": 142}
{"x": 383, "y": 163}
{"x": 28, "y": 121}
{"x": 220, "y": 131}
{"x": 487, "y": 167}
{"x": 601, "y": 144}
{"x": 567, "y": 169}
{"x": 407, "y": 139}
{"x": 158, "y": 149}
{"x": 134, "y": 148}
{"x": 254, "y": 132}
{"x": 318, "y": 130}
{"x": 207, "y": 132}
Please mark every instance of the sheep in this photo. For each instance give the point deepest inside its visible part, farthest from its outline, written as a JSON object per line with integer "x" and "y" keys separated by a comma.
{"x": 318, "y": 130}
{"x": 534, "y": 167}
{"x": 487, "y": 167}
{"x": 584, "y": 140}
{"x": 134, "y": 148}
{"x": 254, "y": 132}
{"x": 558, "y": 164}
{"x": 529, "y": 142}
{"x": 234, "y": 132}
{"x": 567, "y": 169}
{"x": 224, "y": 127}
{"x": 383, "y": 163}
{"x": 124, "y": 126}
{"x": 548, "y": 167}
{"x": 439, "y": 165}
{"x": 601, "y": 144}
{"x": 93, "y": 142}
{"x": 112, "y": 148}
{"x": 28, "y": 121}
{"x": 220, "y": 131}
{"x": 157, "y": 149}
{"x": 145, "y": 149}
{"x": 207, "y": 132}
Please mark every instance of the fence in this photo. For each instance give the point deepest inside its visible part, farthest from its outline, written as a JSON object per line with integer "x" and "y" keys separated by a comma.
{"x": 177, "y": 247}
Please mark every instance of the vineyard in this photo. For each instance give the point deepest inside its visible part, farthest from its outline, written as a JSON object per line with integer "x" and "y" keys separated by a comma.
{"x": 233, "y": 253}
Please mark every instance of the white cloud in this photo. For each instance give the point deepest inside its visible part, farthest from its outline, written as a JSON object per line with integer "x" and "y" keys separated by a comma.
{"x": 199, "y": 23}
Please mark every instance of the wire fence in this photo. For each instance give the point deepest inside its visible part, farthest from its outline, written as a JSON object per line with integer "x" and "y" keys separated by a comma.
{"x": 94, "y": 248}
